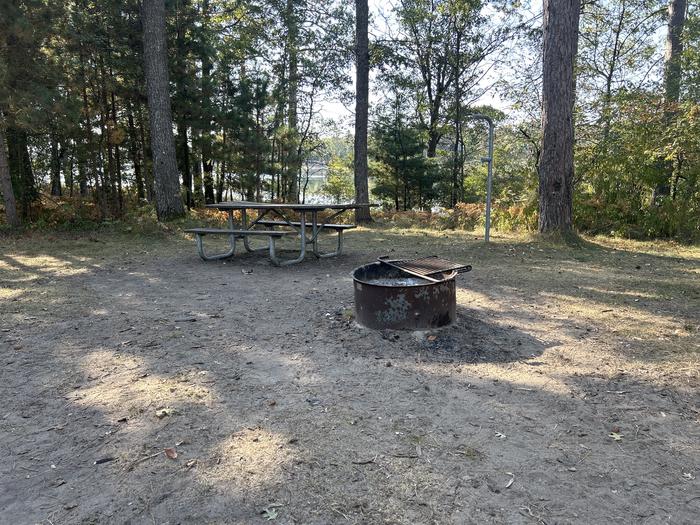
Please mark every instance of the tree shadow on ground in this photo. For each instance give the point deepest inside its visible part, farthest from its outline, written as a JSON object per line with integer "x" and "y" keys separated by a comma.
{"x": 469, "y": 339}
{"x": 284, "y": 407}
{"x": 645, "y": 296}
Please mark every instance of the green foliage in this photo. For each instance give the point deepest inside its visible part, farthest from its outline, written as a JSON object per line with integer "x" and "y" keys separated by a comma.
{"x": 625, "y": 188}
{"x": 72, "y": 99}
{"x": 401, "y": 173}
{"x": 339, "y": 183}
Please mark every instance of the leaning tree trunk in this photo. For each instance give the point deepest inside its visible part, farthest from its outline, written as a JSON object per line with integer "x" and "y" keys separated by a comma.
{"x": 167, "y": 186}
{"x": 560, "y": 43}
{"x": 8, "y": 193}
{"x": 361, "y": 109}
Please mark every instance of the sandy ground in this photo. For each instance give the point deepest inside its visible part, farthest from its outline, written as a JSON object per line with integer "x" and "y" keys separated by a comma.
{"x": 566, "y": 392}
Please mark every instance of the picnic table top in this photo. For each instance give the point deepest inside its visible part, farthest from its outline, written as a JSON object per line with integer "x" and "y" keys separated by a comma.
{"x": 250, "y": 205}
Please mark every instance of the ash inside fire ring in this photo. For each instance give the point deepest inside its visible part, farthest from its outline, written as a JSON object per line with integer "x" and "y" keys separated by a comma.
{"x": 397, "y": 281}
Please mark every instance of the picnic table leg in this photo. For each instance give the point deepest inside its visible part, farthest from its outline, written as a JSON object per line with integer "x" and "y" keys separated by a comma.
{"x": 246, "y": 226}
{"x": 338, "y": 250}
{"x": 302, "y": 246}
{"x": 203, "y": 254}
{"x": 316, "y": 230}
{"x": 244, "y": 218}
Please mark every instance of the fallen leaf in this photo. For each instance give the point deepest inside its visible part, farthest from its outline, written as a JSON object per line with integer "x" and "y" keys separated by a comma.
{"x": 511, "y": 480}
{"x": 616, "y": 436}
{"x": 160, "y": 414}
{"x": 171, "y": 452}
{"x": 269, "y": 514}
{"x": 432, "y": 337}
{"x": 500, "y": 435}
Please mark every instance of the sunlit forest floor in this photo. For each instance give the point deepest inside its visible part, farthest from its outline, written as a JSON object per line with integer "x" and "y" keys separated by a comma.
{"x": 566, "y": 392}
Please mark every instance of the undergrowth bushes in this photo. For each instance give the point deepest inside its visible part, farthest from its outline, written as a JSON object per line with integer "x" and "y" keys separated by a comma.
{"x": 464, "y": 216}
{"x": 623, "y": 219}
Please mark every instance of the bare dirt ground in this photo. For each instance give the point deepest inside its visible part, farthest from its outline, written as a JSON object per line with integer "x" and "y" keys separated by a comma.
{"x": 566, "y": 392}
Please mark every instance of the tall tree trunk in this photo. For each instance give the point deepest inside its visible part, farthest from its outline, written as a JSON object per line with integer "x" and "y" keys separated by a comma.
{"x": 672, "y": 83}
{"x": 167, "y": 186}
{"x": 556, "y": 175}
{"x": 361, "y": 109}
{"x": 674, "y": 48}
{"x": 107, "y": 139}
{"x": 434, "y": 134}
{"x": 206, "y": 120}
{"x": 21, "y": 170}
{"x": 82, "y": 176}
{"x": 55, "y": 166}
{"x": 222, "y": 172}
{"x": 117, "y": 152}
{"x": 134, "y": 153}
{"x": 8, "y": 193}
{"x": 457, "y": 160}
{"x": 182, "y": 107}
{"x": 87, "y": 150}
{"x": 68, "y": 174}
{"x": 146, "y": 157}
{"x": 183, "y": 160}
{"x": 294, "y": 162}
{"x": 196, "y": 169}
{"x": 105, "y": 198}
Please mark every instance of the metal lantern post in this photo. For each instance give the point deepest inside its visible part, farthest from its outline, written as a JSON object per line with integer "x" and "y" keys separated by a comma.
{"x": 489, "y": 181}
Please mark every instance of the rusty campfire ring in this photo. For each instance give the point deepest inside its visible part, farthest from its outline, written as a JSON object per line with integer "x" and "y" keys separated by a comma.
{"x": 407, "y": 294}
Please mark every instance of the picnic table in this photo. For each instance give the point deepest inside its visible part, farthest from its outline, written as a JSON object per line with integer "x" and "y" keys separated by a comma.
{"x": 272, "y": 217}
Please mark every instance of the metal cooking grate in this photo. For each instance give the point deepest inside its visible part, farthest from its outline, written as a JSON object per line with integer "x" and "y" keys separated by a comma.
{"x": 426, "y": 266}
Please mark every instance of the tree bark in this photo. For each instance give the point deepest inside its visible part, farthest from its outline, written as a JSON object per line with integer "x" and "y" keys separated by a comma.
{"x": 134, "y": 153}
{"x": 8, "y": 193}
{"x": 21, "y": 170}
{"x": 117, "y": 152}
{"x": 146, "y": 156}
{"x": 556, "y": 174}
{"x": 361, "y": 109}
{"x": 198, "y": 196}
{"x": 457, "y": 160}
{"x": 182, "y": 108}
{"x": 293, "y": 162}
{"x": 206, "y": 120}
{"x": 672, "y": 85}
{"x": 674, "y": 48}
{"x": 87, "y": 150}
{"x": 183, "y": 160}
{"x": 55, "y": 166}
{"x": 167, "y": 186}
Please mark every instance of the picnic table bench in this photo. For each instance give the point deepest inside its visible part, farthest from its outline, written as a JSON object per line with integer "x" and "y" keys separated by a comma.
{"x": 272, "y": 236}
{"x": 294, "y": 227}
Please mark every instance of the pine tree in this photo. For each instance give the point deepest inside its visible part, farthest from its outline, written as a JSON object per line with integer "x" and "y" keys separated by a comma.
{"x": 167, "y": 186}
